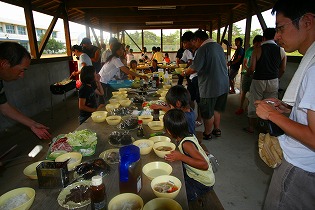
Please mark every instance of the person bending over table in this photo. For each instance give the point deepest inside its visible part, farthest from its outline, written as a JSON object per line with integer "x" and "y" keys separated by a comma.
{"x": 198, "y": 174}
{"x": 114, "y": 69}
{"x": 14, "y": 60}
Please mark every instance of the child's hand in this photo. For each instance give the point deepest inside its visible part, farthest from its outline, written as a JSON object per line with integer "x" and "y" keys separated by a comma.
{"x": 156, "y": 106}
{"x": 97, "y": 77}
{"x": 173, "y": 156}
{"x": 100, "y": 106}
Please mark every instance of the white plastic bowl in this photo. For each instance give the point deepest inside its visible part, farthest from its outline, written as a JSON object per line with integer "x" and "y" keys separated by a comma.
{"x": 99, "y": 116}
{"x": 145, "y": 146}
{"x": 113, "y": 120}
{"x": 30, "y": 192}
{"x": 157, "y": 139}
{"x": 120, "y": 201}
{"x": 162, "y": 203}
{"x": 161, "y": 153}
{"x": 156, "y": 168}
{"x": 156, "y": 125}
{"x": 163, "y": 179}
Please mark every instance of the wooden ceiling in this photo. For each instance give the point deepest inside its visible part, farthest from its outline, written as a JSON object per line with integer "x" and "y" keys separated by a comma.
{"x": 117, "y": 15}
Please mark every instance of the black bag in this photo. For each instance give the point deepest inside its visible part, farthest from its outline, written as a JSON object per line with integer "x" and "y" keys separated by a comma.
{"x": 266, "y": 126}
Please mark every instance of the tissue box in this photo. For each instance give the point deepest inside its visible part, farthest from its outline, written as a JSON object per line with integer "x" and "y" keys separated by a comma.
{"x": 52, "y": 174}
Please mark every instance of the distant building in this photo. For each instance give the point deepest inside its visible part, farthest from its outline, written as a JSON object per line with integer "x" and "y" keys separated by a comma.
{"x": 15, "y": 31}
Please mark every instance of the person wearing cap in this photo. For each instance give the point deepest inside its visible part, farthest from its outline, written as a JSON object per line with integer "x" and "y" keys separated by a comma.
{"x": 93, "y": 52}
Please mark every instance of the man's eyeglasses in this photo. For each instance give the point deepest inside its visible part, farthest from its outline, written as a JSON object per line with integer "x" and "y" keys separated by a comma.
{"x": 279, "y": 29}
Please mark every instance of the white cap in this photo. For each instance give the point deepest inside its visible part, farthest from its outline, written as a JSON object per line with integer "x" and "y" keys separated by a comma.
{"x": 97, "y": 180}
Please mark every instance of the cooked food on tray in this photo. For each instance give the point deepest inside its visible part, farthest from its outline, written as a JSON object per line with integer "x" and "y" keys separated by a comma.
{"x": 117, "y": 138}
{"x": 92, "y": 168}
{"x": 129, "y": 124}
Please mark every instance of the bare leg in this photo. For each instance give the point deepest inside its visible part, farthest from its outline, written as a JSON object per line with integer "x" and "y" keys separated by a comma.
{"x": 208, "y": 124}
{"x": 199, "y": 118}
{"x": 232, "y": 86}
{"x": 217, "y": 120}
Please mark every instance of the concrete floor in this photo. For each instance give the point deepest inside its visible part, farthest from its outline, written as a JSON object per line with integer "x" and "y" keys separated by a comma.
{"x": 242, "y": 178}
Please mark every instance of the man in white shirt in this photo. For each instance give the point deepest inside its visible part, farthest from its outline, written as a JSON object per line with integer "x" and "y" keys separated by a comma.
{"x": 293, "y": 183}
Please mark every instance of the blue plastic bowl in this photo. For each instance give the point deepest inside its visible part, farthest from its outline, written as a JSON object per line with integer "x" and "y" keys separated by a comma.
{"x": 116, "y": 84}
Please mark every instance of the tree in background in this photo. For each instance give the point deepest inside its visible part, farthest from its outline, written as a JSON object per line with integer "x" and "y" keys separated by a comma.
{"x": 53, "y": 46}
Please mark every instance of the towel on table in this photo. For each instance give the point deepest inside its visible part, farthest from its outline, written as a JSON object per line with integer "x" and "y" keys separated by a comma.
{"x": 294, "y": 86}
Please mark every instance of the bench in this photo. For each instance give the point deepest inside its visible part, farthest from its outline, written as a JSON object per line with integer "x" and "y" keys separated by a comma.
{"x": 209, "y": 201}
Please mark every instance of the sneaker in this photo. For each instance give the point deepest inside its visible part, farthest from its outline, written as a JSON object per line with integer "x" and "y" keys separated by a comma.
{"x": 239, "y": 111}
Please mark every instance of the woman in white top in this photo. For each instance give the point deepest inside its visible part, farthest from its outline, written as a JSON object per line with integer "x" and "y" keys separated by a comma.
{"x": 84, "y": 59}
{"x": 113, "y": 69}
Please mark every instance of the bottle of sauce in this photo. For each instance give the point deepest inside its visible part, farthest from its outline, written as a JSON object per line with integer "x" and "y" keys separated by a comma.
{"x": 140, "y": 132}
{"x": 98, "y": 195}
{"x": 130, "y": 169}
{"x": 157, "y": 79}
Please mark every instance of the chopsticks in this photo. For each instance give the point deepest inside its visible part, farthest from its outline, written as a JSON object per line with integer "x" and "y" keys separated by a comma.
{"x": 8, "y": 151}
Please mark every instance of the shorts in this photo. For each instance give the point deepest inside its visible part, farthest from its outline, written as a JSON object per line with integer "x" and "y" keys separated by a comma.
{"x": 259, "y": 90}
{"x": 195, "y": 189}
{"x": 107, "y": 93}
{"x": 233, "y": 73}
{"x": 193, "y": 89}
{"x": 209, "y": 105}
{"x": 246, "y": 82}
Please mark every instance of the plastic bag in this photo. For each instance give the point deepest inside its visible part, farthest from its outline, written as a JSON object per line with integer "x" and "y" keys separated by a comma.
{"x": 270, "y": 150}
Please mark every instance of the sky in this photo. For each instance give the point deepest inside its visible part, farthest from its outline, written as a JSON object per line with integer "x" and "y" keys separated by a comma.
{"x": 78, "y": 31}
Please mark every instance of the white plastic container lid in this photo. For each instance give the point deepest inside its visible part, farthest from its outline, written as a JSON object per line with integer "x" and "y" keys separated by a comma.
{"x": 97, "y": 180}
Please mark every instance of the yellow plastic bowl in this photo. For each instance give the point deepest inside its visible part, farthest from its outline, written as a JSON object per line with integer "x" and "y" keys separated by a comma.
{"x": 75, "y": 159}
{"x": 163, "y": 179}
{"x": 120, "y": 96}
{"x": 110, "y": 107}
{"x": 157, "y": 168}
{"x": 30, "y": 192}
{"x": 163, "y": 93}
{"x": 156, "y": 125}
{"x": 145, "y": 146}
{"x": 123, "y": 91}
{"x": 160, "y": 153}
{"x": 113, "y": 120}
{"x": 99, "y": 116}
{"x": 113, "y": 101}
{"x": 159, "y": 91}
{"x": 162, "y": 203}
{"x": 116, "y": 93}
{"x": 145, "y": 118}
{"x": 157, "y": 139}
{"x": 30, "y": 170}
{"x": 161, "y": 117}
{"x": 125, "y": 102}
{"x": 179, "y": 70}
{"x": 119, "y": 201}
{"x": 166, "y": 87}
{"x": 182, "y": 65}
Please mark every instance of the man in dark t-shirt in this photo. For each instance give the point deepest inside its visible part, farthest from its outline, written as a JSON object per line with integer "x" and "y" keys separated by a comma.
{"x": 235, "y": 63}
{"x": 14, "y": 60}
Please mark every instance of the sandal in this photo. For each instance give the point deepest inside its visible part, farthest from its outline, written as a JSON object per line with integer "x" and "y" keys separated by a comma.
{"x": 207, "y": 136}
{"x": 198, "y": 123}
{"x": 216, "y": 132}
